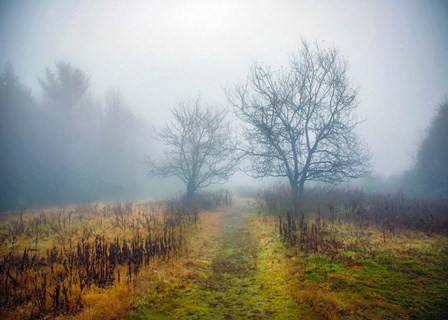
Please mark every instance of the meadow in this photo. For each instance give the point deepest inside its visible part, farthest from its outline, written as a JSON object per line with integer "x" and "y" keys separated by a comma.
{"x": 57, "y": 261}
{"x": 336, "y": 255}
{"x": 350, "y": 255}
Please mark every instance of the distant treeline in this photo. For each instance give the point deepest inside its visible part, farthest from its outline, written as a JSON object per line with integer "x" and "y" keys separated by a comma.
{"x": 67, "y": 146}
{"x": 429, "y": 174}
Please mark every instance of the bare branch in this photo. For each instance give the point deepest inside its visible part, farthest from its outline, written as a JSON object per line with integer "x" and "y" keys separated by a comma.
{"x": 300, "y": 120}
{"x": 199, "y": 147}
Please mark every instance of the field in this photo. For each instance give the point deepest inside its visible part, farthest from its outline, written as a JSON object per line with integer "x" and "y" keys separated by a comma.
{"x": 340, "y": 256}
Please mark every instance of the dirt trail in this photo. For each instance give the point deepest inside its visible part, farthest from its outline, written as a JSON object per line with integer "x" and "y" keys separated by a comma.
{"x": 246, "y": 279}
{"x": 234, "y": 269}
{"x": 243, "y": 275}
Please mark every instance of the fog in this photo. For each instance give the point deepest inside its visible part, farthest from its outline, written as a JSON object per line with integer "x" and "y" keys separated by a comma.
{"x": 157, "y": 53}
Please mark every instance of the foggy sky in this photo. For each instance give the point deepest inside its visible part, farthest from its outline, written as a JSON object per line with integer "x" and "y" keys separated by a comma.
{"x": 160, "y": 52}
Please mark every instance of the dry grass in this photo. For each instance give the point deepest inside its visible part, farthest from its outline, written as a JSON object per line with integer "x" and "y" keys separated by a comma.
{"x": 238, "y": 264}
{"x": 85, "y": 258}
{"x": 107, "y": 304}
{"x": 159, "y": 287}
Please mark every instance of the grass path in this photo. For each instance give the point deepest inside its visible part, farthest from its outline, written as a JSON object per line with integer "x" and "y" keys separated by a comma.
{"x": 238, "y": 275}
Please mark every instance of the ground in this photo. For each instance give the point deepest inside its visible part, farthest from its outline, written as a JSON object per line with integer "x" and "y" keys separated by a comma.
{"x": 240, "y": 275}
{"x": 238, "y": 268}
{"x": 235, "y": 265}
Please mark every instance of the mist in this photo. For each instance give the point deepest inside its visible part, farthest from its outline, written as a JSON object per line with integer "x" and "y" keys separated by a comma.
{"x": 134, "y": 61}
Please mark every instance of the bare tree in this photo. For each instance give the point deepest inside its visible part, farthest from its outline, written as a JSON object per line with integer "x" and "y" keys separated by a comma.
{"x": 299, "y": 120}
{"x": 199, "y": 148}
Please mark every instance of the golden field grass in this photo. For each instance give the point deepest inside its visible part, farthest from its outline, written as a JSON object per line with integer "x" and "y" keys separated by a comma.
{"x": 234, "y": 264}
{"x": 85, "y": 260}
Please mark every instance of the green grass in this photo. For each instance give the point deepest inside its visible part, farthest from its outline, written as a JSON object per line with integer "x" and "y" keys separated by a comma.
{"x": 248, "y": 273}
{"x": 245, "y": 279}
{"x": 390, "y": 285}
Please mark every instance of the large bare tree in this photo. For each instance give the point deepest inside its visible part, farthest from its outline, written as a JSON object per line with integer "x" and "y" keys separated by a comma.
{"x": 199, "y": 148}
{"x": 299, "y": 120}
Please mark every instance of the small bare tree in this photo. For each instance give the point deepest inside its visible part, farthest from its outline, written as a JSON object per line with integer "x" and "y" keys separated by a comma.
{"x": 299, "y": 121}
{"x": 199, "y": 148}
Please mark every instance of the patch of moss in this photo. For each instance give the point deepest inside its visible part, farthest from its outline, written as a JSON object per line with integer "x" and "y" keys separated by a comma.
{"x": 389, "y": 285}
{"x": 321, "y": 267}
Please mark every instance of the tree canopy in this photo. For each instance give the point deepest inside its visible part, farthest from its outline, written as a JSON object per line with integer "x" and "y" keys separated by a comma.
{"x": 299, "y": 121}
{"x": 199, "y": 149}
{"x": 67, "y": 85}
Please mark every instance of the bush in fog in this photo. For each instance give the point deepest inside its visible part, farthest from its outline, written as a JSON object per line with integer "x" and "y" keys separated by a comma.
{"x": 388, "y": 211}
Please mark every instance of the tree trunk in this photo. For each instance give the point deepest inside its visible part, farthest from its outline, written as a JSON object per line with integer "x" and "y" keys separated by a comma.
{"x": 294, "y": 188}
{"x": 189, "y": 194}
{"x": 295, "y": 195}
{"x": 301, "y": 188}
{"x": 297, "y": 189}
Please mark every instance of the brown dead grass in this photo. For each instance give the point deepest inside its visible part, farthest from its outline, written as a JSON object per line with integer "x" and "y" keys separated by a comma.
{"x": 111, "y": 303}
{"x": 157, "y": 281}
